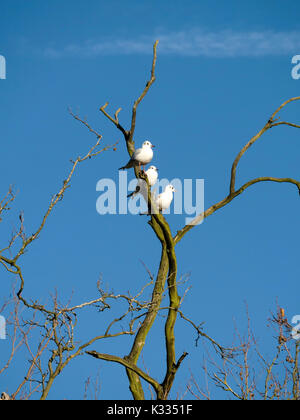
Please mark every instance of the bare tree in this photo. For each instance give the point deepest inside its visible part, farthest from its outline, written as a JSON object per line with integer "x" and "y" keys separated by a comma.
{"x": 248, "y": 374}
{"x": 167, "y": 272}
{"x": 57, "y": 321}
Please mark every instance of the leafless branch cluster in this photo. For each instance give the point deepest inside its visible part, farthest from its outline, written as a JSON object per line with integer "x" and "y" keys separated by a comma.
{"x": 239, "y": 376}
{"x": 52, "y": 331}
{"x": 56, "y": 324}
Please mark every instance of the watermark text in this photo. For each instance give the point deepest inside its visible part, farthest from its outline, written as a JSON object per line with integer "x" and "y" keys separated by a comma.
{"x": 296, "y": 68}
{"x": 2, "y": 67}
{"x": 188, "y": 197}
{"x": 2, "y": 328}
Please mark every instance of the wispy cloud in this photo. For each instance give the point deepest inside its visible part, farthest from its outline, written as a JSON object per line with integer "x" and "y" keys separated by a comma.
{"x": 194, "y": 42}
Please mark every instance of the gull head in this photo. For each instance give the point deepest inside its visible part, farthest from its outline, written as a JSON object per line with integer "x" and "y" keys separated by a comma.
{"x": 170, "y": 188}
{"x": 147, "y": 143}
{"x": 153, "y": 168}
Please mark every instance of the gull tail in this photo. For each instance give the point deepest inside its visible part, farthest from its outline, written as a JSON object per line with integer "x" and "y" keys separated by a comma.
{"x": 130, "y": 164}
{"x": 134, "y": 192}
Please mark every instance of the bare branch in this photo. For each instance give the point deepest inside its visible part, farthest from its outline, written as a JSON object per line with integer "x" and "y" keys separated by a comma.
{"x": 115, "y": 120}
{"x": 228, "y": 199}
{"x": 129, "y": 365}
{"x": 233, "y": 193}
{"x": 143, "y": 94}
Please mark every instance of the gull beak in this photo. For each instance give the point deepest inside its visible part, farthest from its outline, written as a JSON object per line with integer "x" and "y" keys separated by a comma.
{"x": 152, "y": 145}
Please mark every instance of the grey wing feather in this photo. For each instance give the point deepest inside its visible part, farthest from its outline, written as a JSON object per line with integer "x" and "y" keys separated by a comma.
{"x": 130, "y": 164}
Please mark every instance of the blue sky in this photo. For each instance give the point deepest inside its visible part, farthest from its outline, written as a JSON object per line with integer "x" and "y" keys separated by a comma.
{"x": 222, "y": 70}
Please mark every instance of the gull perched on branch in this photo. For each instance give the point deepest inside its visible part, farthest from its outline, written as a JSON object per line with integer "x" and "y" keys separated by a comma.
{"x": 141, "y": 156}
{"x": 164, "y": 200}
{"x": 152, "y": 175}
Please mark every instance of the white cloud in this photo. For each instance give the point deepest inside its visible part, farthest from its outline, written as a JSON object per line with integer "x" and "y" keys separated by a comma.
{"x": 195, "y": 42}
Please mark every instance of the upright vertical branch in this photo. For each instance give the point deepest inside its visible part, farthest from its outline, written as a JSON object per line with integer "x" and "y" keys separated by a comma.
{"x": 167, "y": 268}
{"x": 148, "y": 85}
{"x": 140, "y": 338}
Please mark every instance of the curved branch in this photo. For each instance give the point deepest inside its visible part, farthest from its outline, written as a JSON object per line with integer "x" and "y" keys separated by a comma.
{"x": 93, "y": 151}
{"x": 296, "y": 98}
{"x": 227, "y": 200}
{"x": 266, "y": 127}
{"x": 285, "y": 123}
{"x": 232, "y": 192}
{"x": 129, "y": 365}
{"x": 244, "y": 149}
